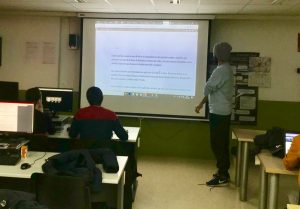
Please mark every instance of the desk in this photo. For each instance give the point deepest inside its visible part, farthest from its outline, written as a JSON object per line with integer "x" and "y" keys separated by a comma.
{"x": 290, "y": 206}
{"x": 271, "y": 168}
{"x": 133, "y": 134}
{"x": 244, "y": 137}
{"x": 107, "y": 178}
{"x": 61, "y": 142}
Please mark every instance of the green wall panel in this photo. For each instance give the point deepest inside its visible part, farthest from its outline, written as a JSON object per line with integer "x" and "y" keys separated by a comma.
{"x": 281, "y": 114}
{"x": 191, "y": 139}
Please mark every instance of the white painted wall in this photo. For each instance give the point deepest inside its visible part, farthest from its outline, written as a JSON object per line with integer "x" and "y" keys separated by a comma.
{"x": 271, "y": 38}
{"x": 17, "y": 30}
{"x": 69, "y": 69}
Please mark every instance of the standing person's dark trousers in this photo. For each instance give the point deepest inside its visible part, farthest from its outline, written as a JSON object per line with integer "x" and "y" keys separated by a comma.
{"x": 219, "y": 139}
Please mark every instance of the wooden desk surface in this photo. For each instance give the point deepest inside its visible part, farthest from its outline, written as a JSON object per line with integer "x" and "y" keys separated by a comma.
{"x": 16, "y": 172}
{"x": 290, "y": 206}
{"x": 246, "y": 135}
{"x": 274, "y": 164}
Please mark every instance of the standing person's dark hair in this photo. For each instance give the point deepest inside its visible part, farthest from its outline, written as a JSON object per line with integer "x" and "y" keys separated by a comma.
{"x": 218, "y": 91}
{"x": 42, "y": 122}
{"x": 94, "y": 96}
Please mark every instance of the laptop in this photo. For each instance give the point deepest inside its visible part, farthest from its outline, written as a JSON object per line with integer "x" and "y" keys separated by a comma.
{"x": 289, "y": 136}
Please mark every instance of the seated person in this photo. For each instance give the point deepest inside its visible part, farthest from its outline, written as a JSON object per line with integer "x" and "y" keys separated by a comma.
{"x": 96, "y": 122}
{"x": 42, "y": 121}
{"x": 292, "y": 162}
{"x": 292, "y": 158}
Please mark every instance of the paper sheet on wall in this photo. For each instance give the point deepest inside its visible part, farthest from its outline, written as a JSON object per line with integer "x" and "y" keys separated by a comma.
{"x": 247, "y": 102}
{"x": 259, "y": 79}
{"x": 259, "y": 72}
{"x": 32, "y": 51}
{"x": 49, "y": 50}
{"x": 260, "y": 64}
{"x": 246, "y": 118}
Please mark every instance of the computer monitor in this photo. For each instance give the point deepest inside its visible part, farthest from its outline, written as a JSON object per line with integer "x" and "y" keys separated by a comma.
{"x": 289, "y": 136}
{"x": 57, "y": 99}
{"x": 9, "y": 91}
{"x": 16, "y": 117}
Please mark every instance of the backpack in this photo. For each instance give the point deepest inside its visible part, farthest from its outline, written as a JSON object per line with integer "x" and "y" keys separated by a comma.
{"x": 273, "y": 140}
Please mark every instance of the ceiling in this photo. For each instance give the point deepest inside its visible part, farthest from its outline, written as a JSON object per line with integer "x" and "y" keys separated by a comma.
{"x": 241, "y": 7}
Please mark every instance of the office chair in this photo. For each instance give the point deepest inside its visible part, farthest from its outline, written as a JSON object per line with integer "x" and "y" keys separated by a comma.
{"x": 61, "y": 192}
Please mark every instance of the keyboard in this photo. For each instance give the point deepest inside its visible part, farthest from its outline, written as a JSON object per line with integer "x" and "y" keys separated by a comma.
{"x": 10, "y": 150}
{"x": 9, "y": 159}
{"x": 59, "y": 128}
{"x": 61, "y": 120}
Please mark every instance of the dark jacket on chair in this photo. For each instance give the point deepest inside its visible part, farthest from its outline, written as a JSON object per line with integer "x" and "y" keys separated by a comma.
{"x": 83, "y": 163}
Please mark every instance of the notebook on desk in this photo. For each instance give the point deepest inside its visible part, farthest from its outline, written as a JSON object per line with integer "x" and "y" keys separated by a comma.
{"x": 289, "y": 136}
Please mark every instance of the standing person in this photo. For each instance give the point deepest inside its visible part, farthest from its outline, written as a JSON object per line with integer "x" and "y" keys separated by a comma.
{"x": 95, "y": 121}
{"x": 218, "y": 92}
{"x": 42, "y": 122}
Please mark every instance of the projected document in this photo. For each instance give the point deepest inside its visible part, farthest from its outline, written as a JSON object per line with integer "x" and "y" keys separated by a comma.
{"x": 146, "y": 58}
{"x": 146, "y": 67}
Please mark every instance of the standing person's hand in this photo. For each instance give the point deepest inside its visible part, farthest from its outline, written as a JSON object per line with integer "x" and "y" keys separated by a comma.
{"x": 198, "y": 108}
{"x": 200, "y": 105}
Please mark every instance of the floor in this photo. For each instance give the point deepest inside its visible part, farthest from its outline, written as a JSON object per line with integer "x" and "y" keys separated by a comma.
{"x": 173, "y": 183}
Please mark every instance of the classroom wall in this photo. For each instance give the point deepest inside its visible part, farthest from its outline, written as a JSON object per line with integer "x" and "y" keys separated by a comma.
{"x": 271, "y": 38}
{"x": 69, "y": 69}
{"x": 277, "y": 106}
{"x": 23, "y": 41}
{"x": 35, "y": 51}
{"x": 191, "y": 139}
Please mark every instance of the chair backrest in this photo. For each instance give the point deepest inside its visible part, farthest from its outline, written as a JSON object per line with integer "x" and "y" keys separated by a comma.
{"x": 61, "y": 192}
{"x": 90, "y": 144}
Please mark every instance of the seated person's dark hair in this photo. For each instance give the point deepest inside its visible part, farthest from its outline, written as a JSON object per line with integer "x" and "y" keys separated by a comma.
{"x": 33, "y": 95}
{"x": 94, "y": 96}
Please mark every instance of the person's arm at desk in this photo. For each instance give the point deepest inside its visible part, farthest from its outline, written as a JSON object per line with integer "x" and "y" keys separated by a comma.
{"x": 74, "y": 128}
{"x": 119, "y": 130}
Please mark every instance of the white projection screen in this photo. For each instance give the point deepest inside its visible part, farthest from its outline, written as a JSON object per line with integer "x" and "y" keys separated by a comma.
{"x": 146, "y": 68}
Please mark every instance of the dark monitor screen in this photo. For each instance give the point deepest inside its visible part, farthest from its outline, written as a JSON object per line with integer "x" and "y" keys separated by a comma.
{"x": 57, "y": 99}
{"x": 9, "y": 91}
{"x": 16, "y": 117}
